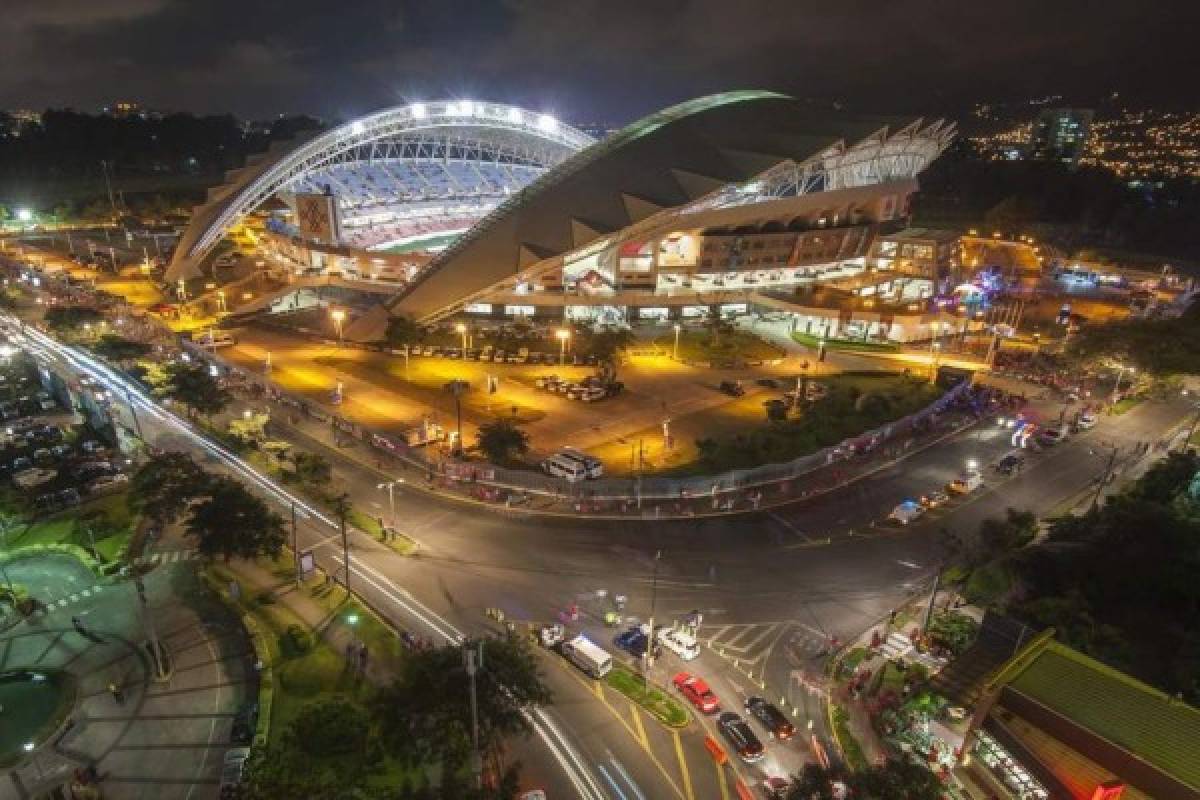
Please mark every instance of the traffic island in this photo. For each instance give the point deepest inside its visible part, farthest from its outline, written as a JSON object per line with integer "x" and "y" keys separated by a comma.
{"x": 650, "y": 697}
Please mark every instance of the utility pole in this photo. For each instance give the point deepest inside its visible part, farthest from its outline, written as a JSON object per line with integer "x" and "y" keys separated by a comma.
{"x": 473, "y": 661}
{"x": 653, "y": 602}
{"x": 341, "y": 507}
{"x": 157, "y": 654}
{"x": 937, "y": 581}
{"x": 108, "y": 184}
{"x": 137, "y": 423}
{"x": 295, "y": 544}
{"x": 1112, "y": 457}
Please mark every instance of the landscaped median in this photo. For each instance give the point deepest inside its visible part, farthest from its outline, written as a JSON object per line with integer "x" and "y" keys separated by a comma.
{"x": 656, "y": 701}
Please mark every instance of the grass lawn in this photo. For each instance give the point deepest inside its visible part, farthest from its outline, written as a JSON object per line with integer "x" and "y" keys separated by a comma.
{"x": 649, "y": 697}
{"x": 1125, "y": 404}
{"x": 808, "y": 340}
{"x": 743, "y": 416}
{"x": 855, "y": 757}
{"x": 697, "y": 345}
{"x": 112, "y": 528}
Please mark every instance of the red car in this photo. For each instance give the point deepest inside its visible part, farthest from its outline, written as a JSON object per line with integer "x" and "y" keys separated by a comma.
{"x": 697, "y": 692}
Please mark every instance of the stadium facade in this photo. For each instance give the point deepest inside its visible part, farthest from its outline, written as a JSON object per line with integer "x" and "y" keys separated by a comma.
{"x": 722, "y": 204}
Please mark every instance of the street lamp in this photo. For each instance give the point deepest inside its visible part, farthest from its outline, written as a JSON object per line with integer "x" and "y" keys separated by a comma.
{"x": 675, "y": 352}
{"x": 564, "y": 336}
{"x": 221, "y": 300}
{"x": 391, "y": 490}
{"x": 1117, "y": 386}
{"x": 338, "y": 316}
{"x": 972, "y": 465}
{"x": 462, "y": 330}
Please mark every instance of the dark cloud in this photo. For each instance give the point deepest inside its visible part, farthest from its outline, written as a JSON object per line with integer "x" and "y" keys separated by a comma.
{"x": 588, "y": 58}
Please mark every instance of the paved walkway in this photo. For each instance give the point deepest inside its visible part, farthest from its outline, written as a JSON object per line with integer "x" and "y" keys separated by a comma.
{"x": 159, "y": 738}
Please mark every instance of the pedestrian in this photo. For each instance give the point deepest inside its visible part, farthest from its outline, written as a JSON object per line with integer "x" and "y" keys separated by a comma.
{"x": 77, "y": 623}
{"x": 117, "y": 693}
{"x": 362, "y": 658}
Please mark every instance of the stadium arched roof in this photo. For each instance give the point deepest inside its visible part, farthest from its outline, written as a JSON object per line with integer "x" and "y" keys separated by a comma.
{"x": 504, "y": 132}
{"x": 712, "y": 152}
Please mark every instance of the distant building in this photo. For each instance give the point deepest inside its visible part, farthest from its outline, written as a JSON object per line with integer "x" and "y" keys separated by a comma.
{"x": 924, "y": 252}
{"x": 1061, "y": 134}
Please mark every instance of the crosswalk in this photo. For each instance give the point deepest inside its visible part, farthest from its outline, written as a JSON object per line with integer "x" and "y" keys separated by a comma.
{"x": 169, "y": 557}
{"x": 751, "y": 643}
{"x": 63, "y": 602}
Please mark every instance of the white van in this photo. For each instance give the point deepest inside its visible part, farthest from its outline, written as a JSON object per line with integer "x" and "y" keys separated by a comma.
{"x": 593, "y": 467}
{"x": 588, "y": 656}
{"x": 565, "y": 467}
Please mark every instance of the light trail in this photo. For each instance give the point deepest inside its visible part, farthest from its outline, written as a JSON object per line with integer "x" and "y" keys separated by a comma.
{"x": 51, "y": 350}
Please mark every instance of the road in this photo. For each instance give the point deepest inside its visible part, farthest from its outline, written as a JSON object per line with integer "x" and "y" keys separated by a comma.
{"x": 772, "y": 588}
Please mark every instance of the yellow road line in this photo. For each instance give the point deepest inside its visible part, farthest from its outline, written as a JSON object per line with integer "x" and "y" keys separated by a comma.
{"x": 598, "y": 688}
{"x": 683, "y": 767}
{"x": 721, "y": 781}
{"x": 637, "y": 723}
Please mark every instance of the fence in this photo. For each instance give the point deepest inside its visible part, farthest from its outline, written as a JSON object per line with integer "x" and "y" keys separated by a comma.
{"x": 785, "y": 478}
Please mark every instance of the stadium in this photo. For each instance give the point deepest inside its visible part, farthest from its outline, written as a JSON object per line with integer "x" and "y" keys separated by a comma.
{"x": 724, "y": 204}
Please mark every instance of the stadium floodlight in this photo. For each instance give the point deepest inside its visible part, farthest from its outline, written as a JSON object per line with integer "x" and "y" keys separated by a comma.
{"x": 357, "y": 127}
{"x": 514, "y": 116}
{"x": 24, "y": 215}
{"x": 547, "y": 123}
{"x": 417, "y": 110}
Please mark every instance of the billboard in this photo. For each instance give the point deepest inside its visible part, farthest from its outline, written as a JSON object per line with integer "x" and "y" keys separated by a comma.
{"x": 317, "y": 218}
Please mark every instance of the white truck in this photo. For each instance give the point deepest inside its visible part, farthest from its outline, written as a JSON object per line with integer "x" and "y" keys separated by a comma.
{"x": 588, "y": 656}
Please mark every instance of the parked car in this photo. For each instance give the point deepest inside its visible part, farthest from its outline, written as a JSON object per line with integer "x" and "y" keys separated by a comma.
{"x": 1010, "y": 463}
{"x": 1086, "y": 421}
{"x": 738, "y": 733}
{"x": 106, "y": 483}
{"x": 1051, "y": 436}
{"x": 771, "y": 718}
{"x": 697, "y": 692}
{"x": 965, "y": 484}
{"x": 634, "y": 642}
{"x": 732, "y": 388}
{"x": 935, "y": 499}
{"x": 245, "y": 722}
{"x": 233, "y": 773}
{"x": 679, "y": 642}
{"x": 545, "y": 381}
{"x": 906, "y": 512}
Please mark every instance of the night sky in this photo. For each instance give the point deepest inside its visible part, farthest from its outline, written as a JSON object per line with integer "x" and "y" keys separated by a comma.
{"x": 590, "y": 60}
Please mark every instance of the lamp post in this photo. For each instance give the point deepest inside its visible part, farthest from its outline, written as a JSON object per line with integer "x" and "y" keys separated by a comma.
{"x": 675, "y": 351}
{"x": 338, "y": 316}
{"x": 563, "y": 336}
{"x": 462, "y": 331}
{"x": 221, "y": 301}
{"x": 391, "y": 490}
{"x": 1117, "y": 386}
{"x": 653, "y": 602}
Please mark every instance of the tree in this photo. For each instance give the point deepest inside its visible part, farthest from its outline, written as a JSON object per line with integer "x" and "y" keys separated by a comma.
{"x": 165, "y": 485}
{"x": 313, "y": 469}
{"x": 192, "y": 385}
{"x": 403, "y": 331}
{"x": 118, "y": 348}
{"x": 606, "y": 346}
{"x": 501, "y": 440}
{"x": 999, "y": 536}
{"x": 69, "y": 319}
{"x": 426, "y": 713}
{"x": 326, "y": 753}
{"x": 232, "y": 522}
{"x": 893, "y": 780}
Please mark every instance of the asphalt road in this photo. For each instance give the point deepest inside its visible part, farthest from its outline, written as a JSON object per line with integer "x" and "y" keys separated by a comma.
{"x": 770, "y": 586}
